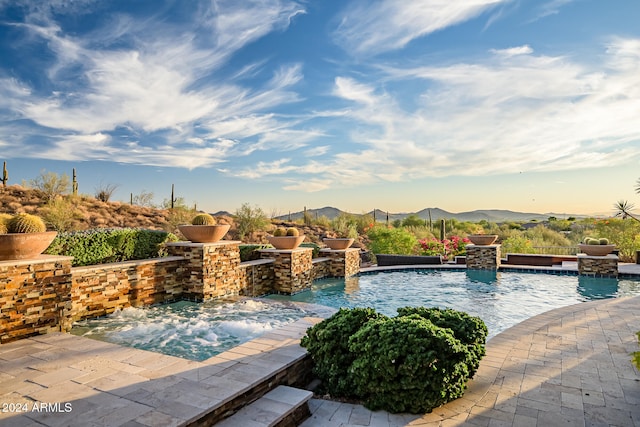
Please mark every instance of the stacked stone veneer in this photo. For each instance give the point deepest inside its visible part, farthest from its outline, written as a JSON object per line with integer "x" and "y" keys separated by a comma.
{"x": 211, "y": 269}
{"x": 35, "y": 297}
{"x": 483, "y": 257}
{"x": 293, "y": 269}
{"x": 256, "y": 277}
{"x": 342, "y": 263}
{"x": 100, "y": 289}
{"x": 599, "y": 266}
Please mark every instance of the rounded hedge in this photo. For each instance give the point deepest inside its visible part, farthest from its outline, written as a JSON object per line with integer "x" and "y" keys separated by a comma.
{"x": 413, "y": 362}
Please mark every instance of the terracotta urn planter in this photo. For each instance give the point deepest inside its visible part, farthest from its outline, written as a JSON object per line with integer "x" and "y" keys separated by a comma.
{"x": 204, "y": 233}
{"x": 338, "y": 244}
{"x": 285, "y": 242}
{"x": 596, "y": 250}
{"x": 24, "y": 245}
{"x": 483, "y": 239}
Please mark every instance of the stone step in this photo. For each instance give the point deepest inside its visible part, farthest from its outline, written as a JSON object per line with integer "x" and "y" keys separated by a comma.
{"x": 283, "y": 406}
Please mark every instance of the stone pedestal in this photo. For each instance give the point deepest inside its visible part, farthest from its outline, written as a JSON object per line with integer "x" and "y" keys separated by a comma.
{"x": 292, "y": 269}
{"x": 211, "y": 269}
{"x": 35, "y": 297}
{"x": 598, "y": 266}
{"x": 343, "y": 263}
{"x": 483, "y": 257}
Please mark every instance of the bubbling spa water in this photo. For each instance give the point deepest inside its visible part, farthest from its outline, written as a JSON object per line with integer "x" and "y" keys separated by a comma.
{"x": 195, "y": 331}
{"x": 198, "y": 331}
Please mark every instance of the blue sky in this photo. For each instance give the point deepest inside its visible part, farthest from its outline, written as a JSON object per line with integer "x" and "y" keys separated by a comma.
{"x": 528, "y": 105}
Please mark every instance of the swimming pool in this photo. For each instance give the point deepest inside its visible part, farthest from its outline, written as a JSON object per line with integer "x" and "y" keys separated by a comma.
{"x": 198, "y": 331}
{"x": 501, "y": 299}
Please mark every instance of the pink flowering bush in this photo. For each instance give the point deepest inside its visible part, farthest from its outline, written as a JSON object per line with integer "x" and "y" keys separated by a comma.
{"x": 449, "y": 248}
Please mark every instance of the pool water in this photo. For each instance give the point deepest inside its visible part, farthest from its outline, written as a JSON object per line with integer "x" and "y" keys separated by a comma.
{"x": 500, "y": 299}
{"x": 198, "y": 331}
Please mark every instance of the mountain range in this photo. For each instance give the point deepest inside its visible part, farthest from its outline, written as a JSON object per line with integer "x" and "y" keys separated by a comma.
{"x": 491, "y": 215}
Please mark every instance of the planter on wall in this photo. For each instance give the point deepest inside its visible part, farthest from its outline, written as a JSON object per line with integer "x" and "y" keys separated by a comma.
{"x": 204, "y": 233}
{"x": 24, "y": 245}
{"x": 596, "y": 250}
{"x": 483, "y": 239}
{"x": 338, "y": 244}
{"x": 285, "y": 242}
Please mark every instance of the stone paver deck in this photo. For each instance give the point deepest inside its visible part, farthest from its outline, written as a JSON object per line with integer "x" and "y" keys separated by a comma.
{"x": 567, "y": 367}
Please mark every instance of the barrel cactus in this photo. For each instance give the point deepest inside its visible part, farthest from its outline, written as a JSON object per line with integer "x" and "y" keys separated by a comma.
{"x": 203, "y": 219}
{"x": 291, "y": 231}
{"x": 603, "y": 241}
{"x": 4, "y": 219}
{"x": 26, "y": 223}
{"x": 279, "y": 232}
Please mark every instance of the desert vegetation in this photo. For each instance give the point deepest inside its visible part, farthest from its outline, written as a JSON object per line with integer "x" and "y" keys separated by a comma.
{"x": 55, "y": 198}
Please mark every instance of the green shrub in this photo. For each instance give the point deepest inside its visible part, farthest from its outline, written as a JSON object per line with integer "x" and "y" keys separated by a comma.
{"x": 328, "y": 345}
{"x": 103, "y": 245}
{"x": 391, "y": 241}
{"x": 408, "y": 364}
{"x": 413, "y": 362}
{"x": 470, "y": 330}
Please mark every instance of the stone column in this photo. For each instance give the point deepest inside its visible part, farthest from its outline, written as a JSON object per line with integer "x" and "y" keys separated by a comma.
{"x": 35, "y": 297}
{"x": 598, "y": 266}
{"x": 210, "y": 270}
{"x": 483, "y": 257}
{"x": 343, "y": 263}
{"x": 292, "y": 269}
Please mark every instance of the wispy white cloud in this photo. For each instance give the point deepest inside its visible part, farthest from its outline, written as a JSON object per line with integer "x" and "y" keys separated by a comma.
{"x": 552, "y": 8}
{"x": 154, "y": 83}
{"x": 369, "y": 28}
{"x": 515, "y": 111}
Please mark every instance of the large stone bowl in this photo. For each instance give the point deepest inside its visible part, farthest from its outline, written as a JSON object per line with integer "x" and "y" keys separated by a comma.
{"x": 483, "y": 239}
{"x": 596, "y": 250}
{"x": 24, "y": 245}
{"x": 338, "y": 244}
{"x": 204, "y": 233}
{"x": 285, "y": 242}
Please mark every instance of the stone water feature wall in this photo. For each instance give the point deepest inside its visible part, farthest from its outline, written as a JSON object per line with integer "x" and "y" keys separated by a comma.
{"x": 256, "y": 277}
{"x": 598, "y": 266}
{"x": 343, "y": 263}
{"x": 483, "y": 257}
{"x": 293, "y": 269}
{"x": 35, "y": 297}
{"x": 99, "y": 290}
{"x": 211, "y": 269}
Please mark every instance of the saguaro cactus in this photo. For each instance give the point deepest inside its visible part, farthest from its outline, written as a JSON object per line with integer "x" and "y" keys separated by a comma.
{"x": 442, "y": 229}
{"x": 74, "y": 183}
{"x": 5, "y": 174}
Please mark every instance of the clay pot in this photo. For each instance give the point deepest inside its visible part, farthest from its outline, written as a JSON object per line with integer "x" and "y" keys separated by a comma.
{"x": 338, "y": 244}
{"x": 204, "y": 233}
{"x": 483, "y": 239}
{"x": 24, "y": 245}
{"x": 285, "y": 242}
{"x": 596, "y": 250}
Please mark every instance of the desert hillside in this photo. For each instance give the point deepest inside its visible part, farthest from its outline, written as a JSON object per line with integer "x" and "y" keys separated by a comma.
{"x": 82, "y": 212}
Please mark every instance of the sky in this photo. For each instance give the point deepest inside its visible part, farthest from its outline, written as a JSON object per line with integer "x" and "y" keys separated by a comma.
{"x": 526, "y": 105}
